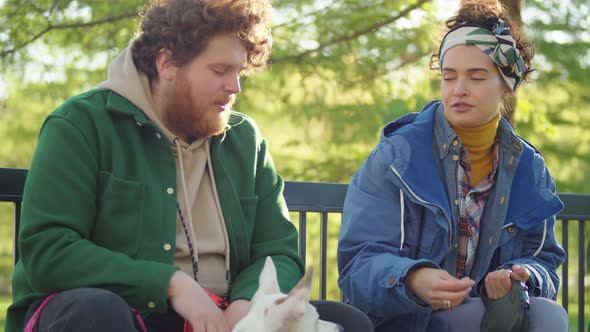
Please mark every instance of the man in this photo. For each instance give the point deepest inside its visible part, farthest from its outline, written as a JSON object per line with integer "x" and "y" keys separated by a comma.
{"x": 148, "y": 197}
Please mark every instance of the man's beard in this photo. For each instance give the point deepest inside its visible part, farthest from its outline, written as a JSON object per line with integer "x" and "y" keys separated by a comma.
{"x": 192, "y": 119}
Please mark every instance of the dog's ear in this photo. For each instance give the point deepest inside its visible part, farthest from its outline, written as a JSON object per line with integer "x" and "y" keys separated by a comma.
{"x": 294, "y": 305}
{"x": 303, "y": 287}
{"x": 267, "y": 282}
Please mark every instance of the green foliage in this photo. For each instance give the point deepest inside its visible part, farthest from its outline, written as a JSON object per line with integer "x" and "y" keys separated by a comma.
{"x": 340, "y": 70}
{"x": 4, "y": 303}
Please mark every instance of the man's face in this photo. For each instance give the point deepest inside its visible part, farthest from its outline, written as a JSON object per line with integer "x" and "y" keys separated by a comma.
{"x": 201, "y": 93}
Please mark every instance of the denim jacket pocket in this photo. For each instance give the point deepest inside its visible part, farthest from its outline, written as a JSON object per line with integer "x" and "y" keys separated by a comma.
{"x": 120, "y": 208}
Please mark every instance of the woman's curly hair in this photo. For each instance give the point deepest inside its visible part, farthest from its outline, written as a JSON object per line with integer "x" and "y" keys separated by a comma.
{"x": 480, "y": 12}
{"x": 185, "y": 27}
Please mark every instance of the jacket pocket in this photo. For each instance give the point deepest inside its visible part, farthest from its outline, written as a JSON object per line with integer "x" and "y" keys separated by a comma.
{"x": 120, "y": 206}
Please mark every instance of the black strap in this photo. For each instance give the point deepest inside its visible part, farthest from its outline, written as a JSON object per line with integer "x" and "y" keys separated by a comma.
{"x": 223, "y": 304}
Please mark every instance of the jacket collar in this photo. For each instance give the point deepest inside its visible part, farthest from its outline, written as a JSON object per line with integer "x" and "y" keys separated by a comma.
{"x": 120, "y": 105}
{"x": 531, "y": 193}
{"x": 443, "y": 133}
{"x": 530, "y": 199}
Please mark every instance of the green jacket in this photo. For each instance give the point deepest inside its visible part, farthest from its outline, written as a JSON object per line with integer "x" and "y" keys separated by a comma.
{"x": 100, "y": 205}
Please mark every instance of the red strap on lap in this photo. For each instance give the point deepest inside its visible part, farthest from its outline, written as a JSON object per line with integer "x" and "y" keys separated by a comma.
{"x": 219, "y": 302}
{"x": 31, "y": 323}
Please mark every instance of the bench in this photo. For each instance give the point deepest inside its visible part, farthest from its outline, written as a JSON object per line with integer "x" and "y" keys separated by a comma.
{"x": 314, "y": 199}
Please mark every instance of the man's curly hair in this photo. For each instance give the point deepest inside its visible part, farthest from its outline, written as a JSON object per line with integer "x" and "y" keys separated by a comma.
{"x": 185, "y": 27}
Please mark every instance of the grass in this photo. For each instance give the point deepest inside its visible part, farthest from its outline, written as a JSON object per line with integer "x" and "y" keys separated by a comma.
{"x": 573, "y": 319}
{"x": 4, "y": 303}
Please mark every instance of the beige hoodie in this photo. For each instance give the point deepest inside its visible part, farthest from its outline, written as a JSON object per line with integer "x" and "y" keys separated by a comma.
{"x": 197, "y": 195}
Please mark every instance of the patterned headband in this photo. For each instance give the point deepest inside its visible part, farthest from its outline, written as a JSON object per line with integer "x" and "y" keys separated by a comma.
{"x": 498, "y": 44}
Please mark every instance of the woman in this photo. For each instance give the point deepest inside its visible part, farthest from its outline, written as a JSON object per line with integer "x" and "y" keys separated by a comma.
{"x": 452, "y": 205}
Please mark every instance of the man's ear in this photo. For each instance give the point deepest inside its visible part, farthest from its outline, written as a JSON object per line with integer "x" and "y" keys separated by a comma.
{"x": 165, "y": 65}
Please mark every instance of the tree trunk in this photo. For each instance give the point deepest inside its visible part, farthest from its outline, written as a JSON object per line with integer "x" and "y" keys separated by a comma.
{"x": 514, "y": 8}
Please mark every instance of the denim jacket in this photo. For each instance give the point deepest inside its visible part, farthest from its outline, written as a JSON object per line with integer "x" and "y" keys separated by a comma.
{"x": 400, "y": 213}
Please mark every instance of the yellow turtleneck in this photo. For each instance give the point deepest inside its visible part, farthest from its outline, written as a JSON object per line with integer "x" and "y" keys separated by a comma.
{"x": 479, "y": 142}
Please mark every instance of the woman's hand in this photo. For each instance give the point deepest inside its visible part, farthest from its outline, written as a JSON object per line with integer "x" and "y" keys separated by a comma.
{"x": 437, "y": 287}
{"x": 191, "y": 302}
{"x": 498, "y": 283}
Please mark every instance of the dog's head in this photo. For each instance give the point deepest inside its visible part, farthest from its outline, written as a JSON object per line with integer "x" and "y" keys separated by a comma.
{"x": 273, "y": 311}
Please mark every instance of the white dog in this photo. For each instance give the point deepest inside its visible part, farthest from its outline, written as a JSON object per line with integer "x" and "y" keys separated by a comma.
{"x": 273, "y": 311}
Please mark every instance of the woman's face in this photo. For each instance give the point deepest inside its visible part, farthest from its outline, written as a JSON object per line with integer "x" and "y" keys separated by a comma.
{"x": 472, "y": 89}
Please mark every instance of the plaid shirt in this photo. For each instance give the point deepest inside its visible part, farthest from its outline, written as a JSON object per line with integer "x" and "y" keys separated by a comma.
{"x": 472, "y": 200}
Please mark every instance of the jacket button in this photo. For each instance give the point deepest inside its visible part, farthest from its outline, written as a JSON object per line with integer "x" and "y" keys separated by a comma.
{"x": 455, "y": 143}
{"x": 511, "y": 229}
{"x": 138, "y": 124}
{"x": 167, "y": 247}
{"x": 170, "y": 191}
{"x": 151, "y": 305}
{"x": 457, "y": 202}
{"x": 158, "y": 136}
{"x": 391, "y": 281}
{"x": 502, "y": 200}
{"x": 455, "y": 157}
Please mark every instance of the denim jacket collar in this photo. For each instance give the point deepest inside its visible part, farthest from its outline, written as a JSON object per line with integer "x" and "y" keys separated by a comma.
{"x": 417, "y": 169}
{"x": 445, "y": 136}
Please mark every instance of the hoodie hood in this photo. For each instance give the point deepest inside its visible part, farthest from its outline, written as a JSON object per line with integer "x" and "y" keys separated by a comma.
{"x": 124, "y": 79}
{"x": 409, "y": 142}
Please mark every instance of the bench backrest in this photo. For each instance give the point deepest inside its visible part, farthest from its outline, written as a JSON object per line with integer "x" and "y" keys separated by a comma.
{"x": 306, "y": 198}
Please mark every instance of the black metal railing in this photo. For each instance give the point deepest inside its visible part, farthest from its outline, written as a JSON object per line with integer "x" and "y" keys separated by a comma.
{"x": 324, "y": 199}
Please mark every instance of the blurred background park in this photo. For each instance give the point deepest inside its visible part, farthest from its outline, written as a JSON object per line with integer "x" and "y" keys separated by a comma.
{"x": 340, "y": 70}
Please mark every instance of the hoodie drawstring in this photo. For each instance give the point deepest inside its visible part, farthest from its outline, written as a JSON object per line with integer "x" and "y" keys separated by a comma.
{"x": 192, "y": 249}
{"x": 222, "y": 302}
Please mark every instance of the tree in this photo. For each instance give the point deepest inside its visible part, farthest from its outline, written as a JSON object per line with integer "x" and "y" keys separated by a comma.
{"x": 339, "y": 71}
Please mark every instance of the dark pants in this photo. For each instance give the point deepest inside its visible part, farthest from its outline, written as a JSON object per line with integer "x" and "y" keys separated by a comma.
{"x": 346, "y": 316}
{"x": 546, "y": 316}
{"x": 95, "y": 309}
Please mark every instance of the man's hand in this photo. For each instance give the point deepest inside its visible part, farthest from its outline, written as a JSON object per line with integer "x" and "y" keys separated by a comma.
{"x": 236, "y": 311}
{"x": 498, "y": 283}
{"x": 191, "y": 302}
{"x": 437, "y": 287}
